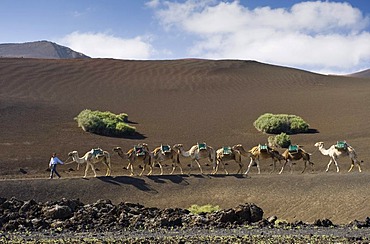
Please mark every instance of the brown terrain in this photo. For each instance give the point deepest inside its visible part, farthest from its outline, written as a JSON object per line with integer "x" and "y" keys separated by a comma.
{"x": 183, "y": 101}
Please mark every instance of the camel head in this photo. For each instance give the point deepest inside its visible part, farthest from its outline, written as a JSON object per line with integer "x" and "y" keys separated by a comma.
{"x": 237, "y": 147}
{"x": 120, "y": 152}
{"x": 117, "y": 149}
{"x": 73, "y": 153}
{"x": 319, "y": 144}
{"x": 178, "y": 147}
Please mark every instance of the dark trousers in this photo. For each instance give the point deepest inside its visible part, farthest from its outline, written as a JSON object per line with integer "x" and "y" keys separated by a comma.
{"x": 54, "y": 170}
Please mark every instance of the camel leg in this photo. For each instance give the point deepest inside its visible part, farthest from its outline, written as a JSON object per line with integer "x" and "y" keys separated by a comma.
{"x": 359, "y": 165}
{"x": 258, "y": 166}
{"x": 181, "y": 171}
{"x": 273, "y": 166}
{"x": 160, "y": 167}
{"x": 108, "y": 169}
{"x": 240, "y": 170}
{"x": 174, "y": 165}
{"x": 336, "y": 164}
{"x": 142, "y": 171}
{"x": 191, "y": 166}
{"x": 355, "y": 161}
{"x": 130, "y": 167}
{"x": 108, "y": 172}
{"x": 150, "y": 169}
{"x": 351, "y": 167}
{"x": 305, "y": 166}
{"x": 200, "y": 168}
{"x": 87, "y": 168}
{"x": 327, "y": 167}
{"x": 312, "y": 166}
{"x": 282, "y": 168}
{"x": 249, "y": 166}
{"x": 215, "y": 169}
{"x": 93, "y": 169}
{"x": 223, "y": 166}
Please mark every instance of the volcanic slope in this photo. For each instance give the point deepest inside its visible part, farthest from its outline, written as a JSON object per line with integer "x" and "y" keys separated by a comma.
{"x": 173, "y": 101}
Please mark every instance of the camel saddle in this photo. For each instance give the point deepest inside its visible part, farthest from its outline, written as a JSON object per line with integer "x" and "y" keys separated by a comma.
{"x": 293, "y": 148}
{"x": 227, "y": 150}
{"x": 341, "y": 145}
{"x": 139, "y": 151}
{"x": 202, "y": 146}
{"x": 263, "y": 148}
{"x": 165, "y": 149}
{"x": 96, "y": 152}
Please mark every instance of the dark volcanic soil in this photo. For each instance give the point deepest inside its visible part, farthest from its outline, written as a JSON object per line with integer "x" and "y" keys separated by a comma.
{"x": 182, "y": 101}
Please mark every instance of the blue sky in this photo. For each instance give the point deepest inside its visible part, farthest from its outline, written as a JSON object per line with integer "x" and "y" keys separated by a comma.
{"x": 319, "y": 36}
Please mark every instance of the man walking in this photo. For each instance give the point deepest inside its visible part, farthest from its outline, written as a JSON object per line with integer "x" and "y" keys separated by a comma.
{"x": 53, "y": 165}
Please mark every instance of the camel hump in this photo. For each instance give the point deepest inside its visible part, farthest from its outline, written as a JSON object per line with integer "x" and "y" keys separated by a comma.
{"x": 293, "y": 148}
{"x": 341, "y": 145}
{"x": 254, "y": 150}
{"x": 139, "y": 150}
{"x": 263, "y": 148}
{"x": 165, "y": 149}
{"x": 97, "y": 152}
{"x": 202, "y": 146}
{"x": 226, "y": 150}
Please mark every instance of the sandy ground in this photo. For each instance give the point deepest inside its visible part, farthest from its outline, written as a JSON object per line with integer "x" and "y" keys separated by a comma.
{"x": 182, "y": 101}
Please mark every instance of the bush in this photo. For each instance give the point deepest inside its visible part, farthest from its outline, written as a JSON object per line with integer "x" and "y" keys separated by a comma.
{"x": 195, "y": 209}
{"x": 278, "y": 123}
{"x": 104, "y": 123}
{"x": 281, "y": 140}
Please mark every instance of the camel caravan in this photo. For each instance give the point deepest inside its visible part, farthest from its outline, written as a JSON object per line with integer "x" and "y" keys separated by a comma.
{"x": 140, "y": 156}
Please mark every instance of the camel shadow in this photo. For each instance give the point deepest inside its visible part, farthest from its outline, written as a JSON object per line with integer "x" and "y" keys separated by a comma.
{"x": 238, "y": 176}
{"x": 127, "y": 180}
{"x": 176, "y": 179}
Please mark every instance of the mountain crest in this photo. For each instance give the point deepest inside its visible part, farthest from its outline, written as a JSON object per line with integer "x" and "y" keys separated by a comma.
{"x": 38, "y": 49}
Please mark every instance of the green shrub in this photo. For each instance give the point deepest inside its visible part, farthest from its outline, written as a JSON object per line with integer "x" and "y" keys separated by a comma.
{"x": 104, "y": 123}
{"x": 196, "y": 209}
{"x": 281, "y": 140}
{"x": 278, "y": 123}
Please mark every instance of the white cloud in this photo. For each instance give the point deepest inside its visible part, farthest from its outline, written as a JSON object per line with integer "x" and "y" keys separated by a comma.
{"x": 152, "y": 3}
{"x": 100, "y": 45}
{"x": 319, "y": 35}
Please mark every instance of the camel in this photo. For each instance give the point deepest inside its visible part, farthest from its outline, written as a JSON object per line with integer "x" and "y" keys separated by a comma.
{"x": 334, "y": 152}
{"x": 295, "y": 153}
{"x": 230, "y": 153}
{"x": 91, "y": 158}
{"x": 197, "y": 152}
{"x": 165, "y": 153}
{"x": 137, "y": 153}
{"x": 263, "y": 152}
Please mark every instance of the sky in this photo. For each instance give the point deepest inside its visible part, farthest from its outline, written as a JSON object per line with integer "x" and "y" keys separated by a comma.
{"x": 328, "y": 37}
